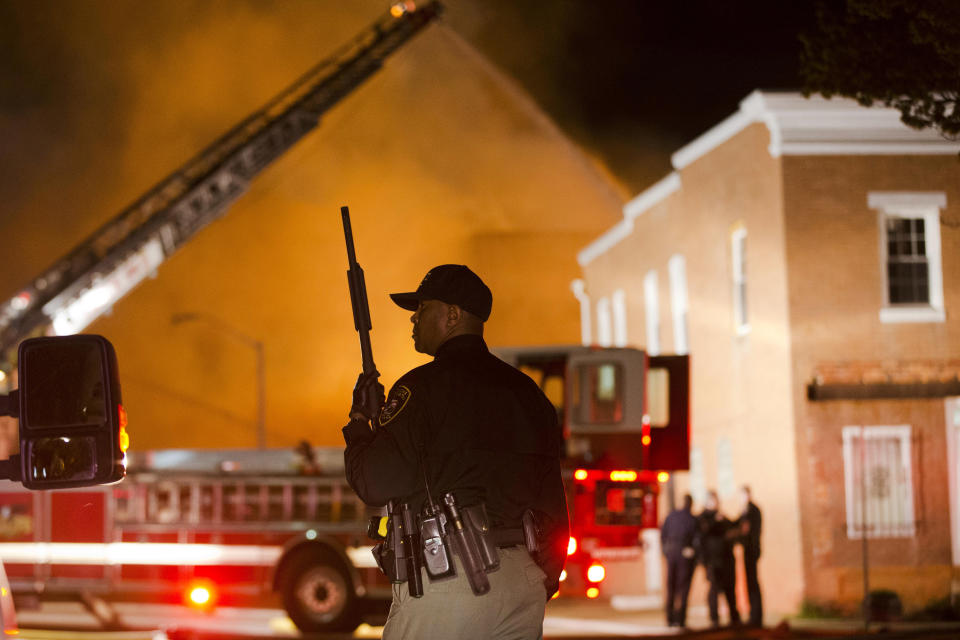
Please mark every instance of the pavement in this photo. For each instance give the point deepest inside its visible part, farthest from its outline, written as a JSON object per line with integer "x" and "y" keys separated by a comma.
{"x": 565, "y": 618}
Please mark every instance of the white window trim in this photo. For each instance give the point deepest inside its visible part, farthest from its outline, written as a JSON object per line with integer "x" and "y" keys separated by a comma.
{"x": 921, "y": 204}
{"x": 679, "y": 303}
{"x": 741, "y": 323}
{"x": 851, "y": 433}
{"x": 619, "y": 303}
{"x": 697, "y": 482}
{"x": 604, "y": 329}
{"x": 579, "y": 289}
{"x": 651, "y": 300}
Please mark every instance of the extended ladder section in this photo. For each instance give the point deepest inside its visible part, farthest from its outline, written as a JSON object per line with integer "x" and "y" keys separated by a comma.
{"x": 86, "y": 282}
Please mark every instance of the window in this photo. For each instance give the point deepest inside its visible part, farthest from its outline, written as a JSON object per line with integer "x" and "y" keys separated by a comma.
{"x": 738, "y": 247}
{"x": 678, "y": 303}
{"x": 698, "y": 485}
{"x": 726, "y": 486}
{"x": 620, "y": 503}
{"x": 910, "y": 250}
{"x": 878, "y": 481}
{"x": 604, "y": 333}
{"x": 658, "y": 396}
{"x": 598, "y": 394}
{"x": 651, "y": 302}
{"x": 619, "y": 302}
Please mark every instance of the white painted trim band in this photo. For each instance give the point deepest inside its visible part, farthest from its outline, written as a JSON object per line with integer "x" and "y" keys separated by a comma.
{"x": 652, "y": 196}
{"x": 906, "y": 199}
{"x": 633, "y": 209}
{"x": 713, "y": 138}
{"x": 155, "y": 554}
{"x": 600, "y": 246}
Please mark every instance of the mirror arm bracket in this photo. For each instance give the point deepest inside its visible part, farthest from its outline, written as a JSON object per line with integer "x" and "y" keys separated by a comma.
{"x": 10, "y": 404}
{"x": 10, "y": 468}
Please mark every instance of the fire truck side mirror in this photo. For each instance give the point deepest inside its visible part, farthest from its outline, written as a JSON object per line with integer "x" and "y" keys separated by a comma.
{"x": 72, "y": 422}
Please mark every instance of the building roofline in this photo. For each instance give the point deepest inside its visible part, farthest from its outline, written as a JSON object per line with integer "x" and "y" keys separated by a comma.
{"x": 633, "y": 209}
{"x": 818, "y": 126}
{"x": 798, "y": 126}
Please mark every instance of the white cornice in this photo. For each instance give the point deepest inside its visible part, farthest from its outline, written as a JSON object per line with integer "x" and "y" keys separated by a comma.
{"x": 631, "y": 211}
{"x": 906, "y": 199}
{"x": 817, "y": 126}
{"x": 599, "y": 246}
{"x": 798, "y": 126}
{"x": 652, "y": 195}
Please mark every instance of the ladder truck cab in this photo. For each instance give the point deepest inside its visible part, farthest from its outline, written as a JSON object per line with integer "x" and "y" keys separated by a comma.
{"x": 625, "y": 418}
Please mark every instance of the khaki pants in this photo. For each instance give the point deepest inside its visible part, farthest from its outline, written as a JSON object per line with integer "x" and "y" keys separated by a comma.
{"x": 448, "y": 610}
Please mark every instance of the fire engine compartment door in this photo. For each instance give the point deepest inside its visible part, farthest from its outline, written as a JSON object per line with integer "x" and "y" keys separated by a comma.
{"x": 668, "y": 408}
{"x": 606, "y": 400}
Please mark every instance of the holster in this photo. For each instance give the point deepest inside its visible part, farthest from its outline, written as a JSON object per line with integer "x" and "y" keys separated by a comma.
{"x": 391, "y": 554}
{"x": 475, "y": 517}
{"x": 531, "y": 533}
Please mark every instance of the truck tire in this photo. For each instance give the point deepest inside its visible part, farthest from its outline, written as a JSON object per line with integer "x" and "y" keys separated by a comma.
{"x": 318, "y": 594}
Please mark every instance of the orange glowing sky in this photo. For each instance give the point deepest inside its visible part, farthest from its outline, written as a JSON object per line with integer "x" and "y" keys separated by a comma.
{"x": 441, "y": 157}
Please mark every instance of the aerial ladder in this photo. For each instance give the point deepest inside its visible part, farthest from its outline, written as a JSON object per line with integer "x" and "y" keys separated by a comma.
{"x": 86, "y": 282}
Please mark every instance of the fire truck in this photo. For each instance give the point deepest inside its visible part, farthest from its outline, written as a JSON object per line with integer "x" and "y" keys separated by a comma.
{"x": 268, "y": 527}
{"x": 626, "y": 426}
{"x": 203, "y": 528}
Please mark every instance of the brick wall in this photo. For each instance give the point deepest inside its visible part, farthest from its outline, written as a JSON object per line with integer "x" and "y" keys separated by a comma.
{"x": 835, "y": 294}
{"x": 740, "y": 385}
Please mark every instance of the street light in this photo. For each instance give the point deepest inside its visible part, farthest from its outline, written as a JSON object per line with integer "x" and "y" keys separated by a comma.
{"x": 256, "y": 345}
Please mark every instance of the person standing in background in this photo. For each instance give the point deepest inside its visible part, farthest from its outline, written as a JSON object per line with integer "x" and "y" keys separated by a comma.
{"x": 717, "y": 535}
{"x": 749, "y": 525}
{"x": 676, "y": 539}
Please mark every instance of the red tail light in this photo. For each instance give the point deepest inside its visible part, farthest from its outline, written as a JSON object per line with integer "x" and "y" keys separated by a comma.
{"x": 201, "y": 594}
{"x": 596, "y": 573}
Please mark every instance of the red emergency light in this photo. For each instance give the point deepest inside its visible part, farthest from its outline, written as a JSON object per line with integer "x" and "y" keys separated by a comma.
{"x": 201, "y": 594}
{"x": 596, "y": 573}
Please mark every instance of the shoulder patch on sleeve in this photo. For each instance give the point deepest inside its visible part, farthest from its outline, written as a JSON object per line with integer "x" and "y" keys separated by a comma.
{"x": 395, "y": 403}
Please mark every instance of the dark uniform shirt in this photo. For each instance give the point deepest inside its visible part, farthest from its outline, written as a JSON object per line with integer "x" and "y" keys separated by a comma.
{"x": 716, "y": 540}
{"x": 483, "y": 430}
{"x": 754, "y": 522}
{"x": 677, "y": 533}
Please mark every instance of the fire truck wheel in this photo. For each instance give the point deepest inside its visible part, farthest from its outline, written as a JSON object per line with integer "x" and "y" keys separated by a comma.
{"x": 318, "y": 595}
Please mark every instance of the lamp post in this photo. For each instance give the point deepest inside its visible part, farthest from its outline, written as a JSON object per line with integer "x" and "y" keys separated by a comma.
{"x": 253, "y": 343}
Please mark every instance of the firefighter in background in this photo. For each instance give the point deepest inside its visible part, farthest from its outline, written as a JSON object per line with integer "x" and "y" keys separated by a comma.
{"x": 749, "y": 526}
{"x": 677, "y": 537}
{"x": 717, "y": 535}
{"x": 468, "y": 424}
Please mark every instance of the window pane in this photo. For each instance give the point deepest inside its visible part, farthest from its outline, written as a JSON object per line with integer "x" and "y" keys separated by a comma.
{"x": 907, "y": 268}
{"x": 602, "y": 391}
{"x": 879, "y": 486}
{"x": 658, "y": 397}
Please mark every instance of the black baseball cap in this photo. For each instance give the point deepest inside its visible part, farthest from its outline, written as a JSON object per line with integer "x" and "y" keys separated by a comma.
{"x": 453, "y": 284}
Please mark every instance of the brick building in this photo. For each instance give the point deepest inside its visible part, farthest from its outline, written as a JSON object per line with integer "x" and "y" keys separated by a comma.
{"x": 806, "y": 254}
